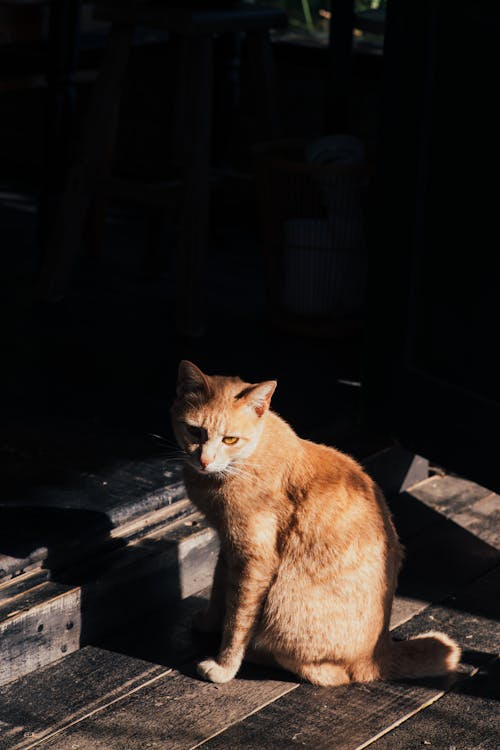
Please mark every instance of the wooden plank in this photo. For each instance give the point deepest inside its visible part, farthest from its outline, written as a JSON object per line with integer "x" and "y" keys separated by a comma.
{"x": 39, "y": 635}
{"x": 59, "y": 538}
{"x": 182, "y": 712}
{"x": 318, "y": 718}
{"x": 472, "y": 616}
{"x": 51, "y": 619}
{"x": 483, "y": 519}
{"x": 55, "y": 696}
{"x": 405, "y": 607}
{"x": 67, "y": 496}
{"x": 159, "y": 571}
{"x": 440, "y": 555}
{"x": 83, "y": 467}
{"x": 418, "y": 507}
{"x": 21, "y": 584}
{"x": 448, "y": 492}
{"x": 176, "y": 711}
{"x": 40, "y": 704}
{"x": 468, "y": 504}
{"x": 352, "y": 716}
{"x": 467, "y": 717}
{"x": 442, "y": 559}
{"x": 477, "y": 597}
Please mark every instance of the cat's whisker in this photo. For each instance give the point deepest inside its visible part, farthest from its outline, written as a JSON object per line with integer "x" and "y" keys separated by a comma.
{"x": 242, "y": 474}
{"x": 162, "y": 439}
{"x": 171, "y": 453}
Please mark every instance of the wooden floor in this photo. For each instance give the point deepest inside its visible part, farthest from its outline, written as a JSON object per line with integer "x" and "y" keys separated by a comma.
{"x": 139, "y": 689}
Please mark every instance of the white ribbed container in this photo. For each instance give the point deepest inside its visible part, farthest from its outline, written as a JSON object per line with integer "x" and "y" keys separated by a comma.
{"x": 321, "y": 277}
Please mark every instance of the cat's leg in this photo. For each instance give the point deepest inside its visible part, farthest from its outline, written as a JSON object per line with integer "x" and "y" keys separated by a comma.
{"x": 325, "y": 673}
{"x": 211, "y": 619}
{"x": 247, "y": 586}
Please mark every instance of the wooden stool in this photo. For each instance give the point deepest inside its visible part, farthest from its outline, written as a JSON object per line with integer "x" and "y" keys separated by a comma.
{"x": 196, "y": 30}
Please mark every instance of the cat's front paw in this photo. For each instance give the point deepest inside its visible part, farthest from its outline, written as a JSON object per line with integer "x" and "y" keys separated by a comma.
{"x": 205, "y": 622}
{"x": 210, "y": 670}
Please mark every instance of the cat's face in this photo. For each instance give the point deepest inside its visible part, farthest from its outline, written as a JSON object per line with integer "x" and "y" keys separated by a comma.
{"x": 218, "y": 421}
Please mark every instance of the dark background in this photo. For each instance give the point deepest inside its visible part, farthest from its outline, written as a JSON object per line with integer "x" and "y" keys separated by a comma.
{"x": 100, "y": 364}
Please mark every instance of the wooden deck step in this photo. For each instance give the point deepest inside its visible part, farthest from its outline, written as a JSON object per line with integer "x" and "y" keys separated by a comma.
{"x": 154, "y": 561}
{"x": 105, "y": 701}
{"x": 465, "y": 718}
{"x": 60, "y": 501}
{"x": 82, "y": 554}
{"x": 354, "y": 716}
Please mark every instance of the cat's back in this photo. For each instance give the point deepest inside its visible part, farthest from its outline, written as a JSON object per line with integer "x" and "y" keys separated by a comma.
{"x": 334, "y": 495}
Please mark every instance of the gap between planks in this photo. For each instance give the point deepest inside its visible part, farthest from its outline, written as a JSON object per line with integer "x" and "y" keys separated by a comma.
{"x": 292, "y": 686}
{"x": 286, "y": 689}
{"x": 94, "y": 711}
{"x": 404, "y": 615}
{"x": 411, "y": 714}
{"x": 359, "y": 747}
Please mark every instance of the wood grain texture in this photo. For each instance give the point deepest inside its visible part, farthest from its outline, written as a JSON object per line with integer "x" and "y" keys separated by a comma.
{"x": 57, "y": 695}
{"x": 85, "y": 466}
{"x": 39, "y": 704}
{"x": 154, "y": 571}
{"x": 471, "y": 616}
{"x": 468, "y": 504}
{"x": 61, "y": 500}
{"x": 311, "y": 717}
{"x": 322, "y": 718}
{"x": 442, "y": 559}
{"x": 177, "y": 711}
{"x": 41, "y": 633}
{"x": 351, "y": 716}
{"x": 441, "y": 556}
{"x": 14, "y": 587}
{"x": 466, "y": 718}
{"x": 448, "y": 491}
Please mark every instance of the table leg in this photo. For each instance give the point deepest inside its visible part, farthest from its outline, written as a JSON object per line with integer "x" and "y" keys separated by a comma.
{"x": 97, "y": 134}
{"x": 339, "y": 70}
{"x": 62, "y": 50}
{"x": 192, "y": 246}
{"x": 261, "y": 58}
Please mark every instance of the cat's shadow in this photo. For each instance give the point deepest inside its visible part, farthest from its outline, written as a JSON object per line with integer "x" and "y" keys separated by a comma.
{"x": 54, "y": 537}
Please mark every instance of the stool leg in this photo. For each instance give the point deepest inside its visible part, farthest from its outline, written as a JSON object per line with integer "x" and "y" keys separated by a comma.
{"x": 180, "y": 140}
{"x": 192, "y": 246}
{"x": 97, "y": 134}
{"x": 261, "y": 58}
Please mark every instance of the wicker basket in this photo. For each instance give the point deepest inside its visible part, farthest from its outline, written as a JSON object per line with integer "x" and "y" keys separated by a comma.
{"x": 311, "y": 229}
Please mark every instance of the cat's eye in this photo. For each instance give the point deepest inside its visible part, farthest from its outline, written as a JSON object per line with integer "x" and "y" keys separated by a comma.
{"x": 229, "y": 440}
{"x": 195, "y": 433}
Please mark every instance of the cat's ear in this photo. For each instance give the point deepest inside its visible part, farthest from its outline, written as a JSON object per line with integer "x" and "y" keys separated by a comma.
{"x": 258, "y": 397}
{"x": 191, "y": 381}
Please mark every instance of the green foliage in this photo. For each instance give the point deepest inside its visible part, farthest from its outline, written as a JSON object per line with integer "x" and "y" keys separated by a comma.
{"x": 312, "y": 15}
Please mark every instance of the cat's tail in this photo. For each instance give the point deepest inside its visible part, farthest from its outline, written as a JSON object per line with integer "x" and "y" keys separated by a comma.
{"x": 424, "y": 655}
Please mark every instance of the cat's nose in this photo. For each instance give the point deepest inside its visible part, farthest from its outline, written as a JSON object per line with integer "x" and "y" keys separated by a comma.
{"x": 204, "y": 462}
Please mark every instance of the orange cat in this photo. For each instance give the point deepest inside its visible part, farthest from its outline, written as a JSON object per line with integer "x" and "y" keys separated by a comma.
{"x": 308, "y": 553}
